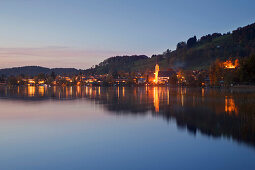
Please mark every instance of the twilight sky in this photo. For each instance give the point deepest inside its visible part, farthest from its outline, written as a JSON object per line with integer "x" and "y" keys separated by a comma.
{"x": 81, "y": 33}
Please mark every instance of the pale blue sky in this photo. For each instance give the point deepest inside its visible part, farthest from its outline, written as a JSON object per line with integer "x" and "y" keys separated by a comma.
{"x": 81, "y": 33}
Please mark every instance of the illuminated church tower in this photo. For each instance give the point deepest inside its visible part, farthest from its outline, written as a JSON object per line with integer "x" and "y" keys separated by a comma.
{"x": 156, "y": 73}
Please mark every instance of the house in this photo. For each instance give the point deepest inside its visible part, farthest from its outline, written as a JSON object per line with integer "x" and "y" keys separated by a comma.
{"x": 89, "y": 79}
{"x": 207, "y": 82}
{"x": 29, "y": 82}
{"x": 164, "y": 76}
{"x": 121, "y": 81}
{"x": 141, "y": 80}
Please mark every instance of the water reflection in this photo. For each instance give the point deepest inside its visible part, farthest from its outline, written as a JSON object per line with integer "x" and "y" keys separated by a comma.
{"x": 211, "y": 112}
{"x": 31, "y": 91}
{"x": 156, "y": 99}
{"x": 41, "y": 90}
{"x": 230, "y": 106}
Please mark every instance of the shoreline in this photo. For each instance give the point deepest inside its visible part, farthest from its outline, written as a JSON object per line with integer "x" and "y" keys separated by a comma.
{"x": 205, "y": 87}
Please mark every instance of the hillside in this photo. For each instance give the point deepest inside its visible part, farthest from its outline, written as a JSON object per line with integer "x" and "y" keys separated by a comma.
{"x": 35, "y": 70}
{"x": 191, "y": 54}
{"x": 117, "y": 63}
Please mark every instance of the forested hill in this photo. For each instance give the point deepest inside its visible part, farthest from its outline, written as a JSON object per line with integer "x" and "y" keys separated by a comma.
{"x": 117, "y": 63}
{"x": 35, "y": 70}
{"x": 191, "y": 54}
{"x": 201, "y": 53}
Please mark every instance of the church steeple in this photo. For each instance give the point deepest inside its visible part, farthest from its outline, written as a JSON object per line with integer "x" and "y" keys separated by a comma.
{"x": 156, "y": 73}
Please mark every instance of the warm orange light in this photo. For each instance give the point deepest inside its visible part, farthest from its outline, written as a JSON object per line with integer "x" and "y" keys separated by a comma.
{"x": 156, "y": 99}
{"x": 31, "y": 91}
{"x": 180, "y": 77}
{"x": 99, "y": 90}
{"x": 68, "y": 79}
{"x": 41, "y": 82}
{"x": 230, "y": 106}
{"x": 156, "y": 73}
{"x": 31, "y": 81}
{"x": 123, "y": 91}
{"x": 229, "y": 65}
{"x": 41, "y": 90}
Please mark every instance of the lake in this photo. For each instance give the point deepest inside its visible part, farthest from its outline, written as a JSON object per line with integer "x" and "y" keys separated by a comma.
{"x": 126, "y": 128}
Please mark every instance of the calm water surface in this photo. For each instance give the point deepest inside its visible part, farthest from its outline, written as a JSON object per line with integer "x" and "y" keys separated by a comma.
{"x": 126, "y": 128}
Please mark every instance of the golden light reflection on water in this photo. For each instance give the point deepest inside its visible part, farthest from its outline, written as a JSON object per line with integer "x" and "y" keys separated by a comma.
{"x": 78, "y": 91}
{"x": 181, "y": 93}
{"x": 230, "y": 106}
{"x": 156, "y": 98}
{"x": 203, "y": 92}
{"x": 54, "y": 89}
{"x": 31, "y": 91}
{"x": 90, "y": 91}
{"x": 86, "y": 90}
{"x": 41, "y": 90}
{"x": 123, "y": 91}
{"x": 168, "y": 96}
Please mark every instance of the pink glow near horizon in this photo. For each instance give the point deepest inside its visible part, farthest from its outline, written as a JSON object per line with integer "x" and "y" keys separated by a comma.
{"x": 53, "y": 57}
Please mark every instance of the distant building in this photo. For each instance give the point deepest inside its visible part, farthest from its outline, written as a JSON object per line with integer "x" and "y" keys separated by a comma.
{"x": 156, "y": 73}
{"x": 68, "y": 79}
{"x": 29, "y": 82}
{"x": 3, "y": 82}
{"x": 90, "y": 79}
{"x": 207, "y": 81}
{"x": 164, "y": 76}
{"x": 141, "y": 80}
{"x": 121, "y": 81}
{"x": 41, "y": 82}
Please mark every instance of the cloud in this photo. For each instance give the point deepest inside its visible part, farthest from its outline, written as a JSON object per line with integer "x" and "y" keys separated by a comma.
{"x": 53, "y": 56}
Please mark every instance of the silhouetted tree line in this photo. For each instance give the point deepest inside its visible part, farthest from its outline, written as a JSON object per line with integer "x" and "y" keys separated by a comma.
{"x": 117, "y": 63}
{"x": 35, "y": 70}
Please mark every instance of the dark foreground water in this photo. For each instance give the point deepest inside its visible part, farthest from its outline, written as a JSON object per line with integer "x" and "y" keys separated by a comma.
{"x": 126, "y": 128}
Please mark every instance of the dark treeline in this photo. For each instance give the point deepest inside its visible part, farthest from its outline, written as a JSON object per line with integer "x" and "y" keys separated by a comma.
{"x": 35, "y": 70}
{"x": 243, "y": 74}
{"x": 117, "y": 63}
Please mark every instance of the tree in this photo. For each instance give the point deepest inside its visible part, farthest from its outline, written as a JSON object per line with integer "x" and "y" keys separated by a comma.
{"x": 247, "y": 70}
{"x": 53, "y": 75}
{"x": 2, "y": 77}
{"x": 12, "y": 81}
{"x": 41, "y": 76}
{"x": 216, "y": 73}
{"x": 181, "y": 45}
{"x": 192, "y": 42}
{"x": 173, "y": 80}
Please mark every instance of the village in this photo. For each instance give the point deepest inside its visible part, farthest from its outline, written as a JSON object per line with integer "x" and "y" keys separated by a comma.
{"x": 220, "y": 74}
